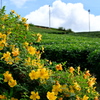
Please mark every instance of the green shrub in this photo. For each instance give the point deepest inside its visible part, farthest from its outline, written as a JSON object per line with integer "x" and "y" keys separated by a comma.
{"x": 24, "y": 75}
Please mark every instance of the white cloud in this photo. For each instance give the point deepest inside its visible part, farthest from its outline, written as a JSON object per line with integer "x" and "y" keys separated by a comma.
{"x": 19, "y": 3}
{"x": 72, "y": 16}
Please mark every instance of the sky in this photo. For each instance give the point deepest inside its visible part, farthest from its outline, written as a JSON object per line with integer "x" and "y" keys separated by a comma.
{"x": 69, "y": 14}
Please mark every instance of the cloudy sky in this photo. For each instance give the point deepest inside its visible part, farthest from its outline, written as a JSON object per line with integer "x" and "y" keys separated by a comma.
{"x": 70, "y": 14}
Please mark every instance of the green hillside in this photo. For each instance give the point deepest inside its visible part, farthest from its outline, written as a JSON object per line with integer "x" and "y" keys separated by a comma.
{"x": 94, "y": 34}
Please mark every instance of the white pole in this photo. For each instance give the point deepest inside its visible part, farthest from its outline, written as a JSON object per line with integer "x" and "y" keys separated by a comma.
{"x": 89, "y": 19}
{"x": 49, "y": 16}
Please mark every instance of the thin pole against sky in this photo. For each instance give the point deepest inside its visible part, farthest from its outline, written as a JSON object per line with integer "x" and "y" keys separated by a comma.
{"x": 89, "y": 19}
{"x": 49, "y": 16}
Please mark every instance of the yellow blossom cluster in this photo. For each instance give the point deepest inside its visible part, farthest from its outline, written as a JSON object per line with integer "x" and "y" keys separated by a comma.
{"x": 39, "y": 37}
{"x": 3, "y": 97}
{"x": 8, "y": 78}
{"x": 32, "y": 50}
{"x": 75, "y": 87}
{"x": 7, "y": 57}
{"x": 42, "y": 73}
{"x": 3, "y": 38}
{"x": 10, "y": 58}
{"x": 91, "y": 81}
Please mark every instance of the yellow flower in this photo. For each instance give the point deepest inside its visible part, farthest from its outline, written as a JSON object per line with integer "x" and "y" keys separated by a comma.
{"x": 13, "y": 11}
{"x": 18, "y": 16}
{"x": 5, "y": 16}
{"x": 15, "y": 51}
{"x": 12, "y": 83}
{"x": 3, "y": 26}
{"x": 42, "y": 49}
{"x": 44, "y": 74}
{"x": 71, "y": 89}
{"x": 13, "y": 98}
{"x": 24, "y": 19}
{"x": 85, "y": 97}
{"x": 78, "y": 70}
{"x": 59, "y": 67}
{"x": 28, "y": 61}
{"x": 88, "y": 90}
{"x": 40, "y": 65}
{"x": 0, "y": 35}
{"x": 6, "y": 55}
{"x": 7, "y": 58}
{"x": 34, "y": 95}
{"x": 50, "y": 62}
{"x": 65, "y": 88}
{"x": 77, "y": 97}
{"x": 31, "y": 50}
{"x": 27, "y": 26}
{"x": 56, "y": 89}
{"x": 38, "y": 52}
{"x": 16, "y": 59}
{"x": 34, "y": 62}
{"x": 2, "y": 97}
{"x": 3, "y": 41}
{"x": 34, "y": 75}
{"x": 26, "y": 44}
{"x": 7, "y": 76}
{"x": 91, "y": 82}
{"x": 85, "y": 76}
{"x": 87, "y": 73}
{"x": 1, "y": 45}
{"x": 3, "y": 36}
{"x": 96, "y": 98}
{"x": 39, "y": 37}
{"x": 8, "y": 32}
{"x": 71, "y": 69}
{"x": 51, "y": 96}
{"x": 76, "y": 86}
{"x": 9, "y": 61}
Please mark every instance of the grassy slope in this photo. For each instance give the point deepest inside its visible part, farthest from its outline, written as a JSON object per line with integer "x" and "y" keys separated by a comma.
{"x": 82, "y": 38}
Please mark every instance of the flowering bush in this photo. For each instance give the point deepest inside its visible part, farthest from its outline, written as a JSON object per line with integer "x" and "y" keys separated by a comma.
{"x": 24, "y": 75}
